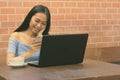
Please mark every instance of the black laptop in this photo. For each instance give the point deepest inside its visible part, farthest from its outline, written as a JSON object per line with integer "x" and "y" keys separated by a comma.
{"x": 64, "y": 49}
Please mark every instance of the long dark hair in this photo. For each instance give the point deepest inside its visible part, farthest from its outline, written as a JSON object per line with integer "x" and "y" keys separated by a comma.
{"x": 36, "y": 9}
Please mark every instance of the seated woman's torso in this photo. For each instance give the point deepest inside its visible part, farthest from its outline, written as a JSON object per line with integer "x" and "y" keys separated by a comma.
{"x": 22, "y": 42}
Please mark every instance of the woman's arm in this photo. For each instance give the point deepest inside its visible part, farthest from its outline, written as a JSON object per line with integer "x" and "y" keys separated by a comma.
{"x": 33, "y": 48}
{"x": 9, "y": 57}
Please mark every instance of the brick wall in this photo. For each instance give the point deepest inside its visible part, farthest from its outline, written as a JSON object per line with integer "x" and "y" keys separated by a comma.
{"x": 99, "y": 18}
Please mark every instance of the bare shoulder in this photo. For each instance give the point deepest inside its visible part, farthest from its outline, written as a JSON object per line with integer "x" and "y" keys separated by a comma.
{"x": 15, "y": 35}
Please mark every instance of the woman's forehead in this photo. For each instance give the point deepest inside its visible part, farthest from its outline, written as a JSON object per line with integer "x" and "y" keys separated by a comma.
{"x": 41, "y": 16}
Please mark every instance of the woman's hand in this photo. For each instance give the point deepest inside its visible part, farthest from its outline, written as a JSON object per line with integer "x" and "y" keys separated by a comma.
{"x": 40, "y": 33}
{"x": 38, "y": 38}
{"x": 37, "y": 42}
{"x": 35, "y": 45}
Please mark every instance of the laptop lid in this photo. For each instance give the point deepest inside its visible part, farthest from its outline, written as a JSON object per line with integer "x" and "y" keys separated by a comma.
{"x": 62, "y": 49}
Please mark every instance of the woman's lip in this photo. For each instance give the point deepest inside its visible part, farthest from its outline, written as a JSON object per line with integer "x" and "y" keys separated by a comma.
{"x": 36, "y": 29}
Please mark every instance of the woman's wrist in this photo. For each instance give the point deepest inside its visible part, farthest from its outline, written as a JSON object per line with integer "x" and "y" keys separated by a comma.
{"x": 28, "y": 54}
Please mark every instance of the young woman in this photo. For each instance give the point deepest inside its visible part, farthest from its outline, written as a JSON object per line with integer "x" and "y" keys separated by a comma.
{"x": 22, "y": 40}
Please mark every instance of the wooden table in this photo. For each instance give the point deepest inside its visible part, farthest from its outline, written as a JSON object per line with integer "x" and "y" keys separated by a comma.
{"x": 88, "y": 70}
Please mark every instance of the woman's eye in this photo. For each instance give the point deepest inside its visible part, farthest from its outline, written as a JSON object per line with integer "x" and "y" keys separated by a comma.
{"x": 43, "y": 23}
{"x": 37, "y": 21}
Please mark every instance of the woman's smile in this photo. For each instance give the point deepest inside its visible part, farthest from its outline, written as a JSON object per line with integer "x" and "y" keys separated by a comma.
{"x": 37, "y": 29}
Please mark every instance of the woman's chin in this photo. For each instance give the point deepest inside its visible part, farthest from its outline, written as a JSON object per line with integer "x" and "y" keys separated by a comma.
{"x": 35, "y": 32}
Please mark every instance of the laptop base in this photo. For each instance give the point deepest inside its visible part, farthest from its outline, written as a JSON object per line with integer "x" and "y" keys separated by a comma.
{"x": 33, "y": 63}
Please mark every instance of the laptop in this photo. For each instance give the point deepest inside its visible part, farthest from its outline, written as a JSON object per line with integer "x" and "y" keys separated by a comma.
{"x": 64, "y": 49}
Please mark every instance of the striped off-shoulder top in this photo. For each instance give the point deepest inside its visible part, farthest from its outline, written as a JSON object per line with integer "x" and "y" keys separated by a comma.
{"x": 18, "y": 45}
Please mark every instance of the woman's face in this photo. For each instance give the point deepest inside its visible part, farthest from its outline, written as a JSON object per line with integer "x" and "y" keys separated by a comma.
{"x": 38, "y": 23}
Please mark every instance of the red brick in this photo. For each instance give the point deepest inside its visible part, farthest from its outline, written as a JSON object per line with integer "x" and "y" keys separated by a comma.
{"x": 29, "y": 4}
{"x": 3, "y": 30}
{"x": 14, "y": 4}
{"x": 3, "y": 3}
{"x": 7, "y": 10}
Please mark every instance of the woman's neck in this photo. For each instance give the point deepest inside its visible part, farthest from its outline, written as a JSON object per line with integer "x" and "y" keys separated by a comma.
{"x": 29, "y": 33}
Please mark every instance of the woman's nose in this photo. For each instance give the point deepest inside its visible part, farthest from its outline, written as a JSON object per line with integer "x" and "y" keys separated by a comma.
{"x": 39, "y": 25}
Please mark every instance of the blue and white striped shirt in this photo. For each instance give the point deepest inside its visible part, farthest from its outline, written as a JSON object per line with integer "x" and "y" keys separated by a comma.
{"x": 16, "y": 47}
